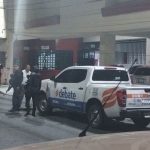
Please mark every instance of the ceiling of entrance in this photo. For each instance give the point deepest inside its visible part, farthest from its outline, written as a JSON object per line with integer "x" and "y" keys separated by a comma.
{"x": 80, "y": 18}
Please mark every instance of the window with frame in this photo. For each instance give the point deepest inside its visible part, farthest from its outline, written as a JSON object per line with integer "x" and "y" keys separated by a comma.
{"x": 72, "y": 76}
{"x": 46, "y": 60}
{"x": 64, "y": 77}
{"x": 78, "y": 75}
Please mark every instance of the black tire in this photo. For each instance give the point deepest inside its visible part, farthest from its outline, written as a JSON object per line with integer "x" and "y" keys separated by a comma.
{"x": 141, "y": 123}
{"x": 92, "y": 111}
{"x": 43, "y": 106}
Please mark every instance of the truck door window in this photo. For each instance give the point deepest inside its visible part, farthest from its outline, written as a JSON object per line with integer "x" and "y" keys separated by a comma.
{"x": 78, "y": 75}
{"x": 64, "y": 77}
{"x": 72, "y": 76}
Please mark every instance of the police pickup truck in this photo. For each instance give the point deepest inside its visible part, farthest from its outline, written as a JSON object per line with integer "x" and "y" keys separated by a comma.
{"x": 97, "y": 89}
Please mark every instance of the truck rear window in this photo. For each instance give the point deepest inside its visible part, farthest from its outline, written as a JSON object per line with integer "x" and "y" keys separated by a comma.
{"x": 110, "y": 75}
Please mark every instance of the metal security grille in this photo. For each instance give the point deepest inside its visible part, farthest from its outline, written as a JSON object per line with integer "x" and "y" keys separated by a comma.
{"x": 128, "y": 50}
{"x": 46, "y": 60}
{"x": 54, "y": 60}
{"x": 125, "y": 53}
{"x": 86, "y": 57}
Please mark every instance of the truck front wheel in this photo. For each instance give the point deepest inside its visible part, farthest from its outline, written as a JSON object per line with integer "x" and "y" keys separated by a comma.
{"x": 43, "y": 106}
{"x": 141, "y": 122}
{"x": 92, "y": 112}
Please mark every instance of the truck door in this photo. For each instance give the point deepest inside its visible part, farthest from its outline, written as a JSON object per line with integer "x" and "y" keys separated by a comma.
{"x": 69, "y": 89}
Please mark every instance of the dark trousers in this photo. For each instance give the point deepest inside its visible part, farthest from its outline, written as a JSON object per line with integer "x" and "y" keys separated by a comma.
{"x": 17, "y": 98}
{"x": 27, "y": 96}
{"x": 34, "y": 97}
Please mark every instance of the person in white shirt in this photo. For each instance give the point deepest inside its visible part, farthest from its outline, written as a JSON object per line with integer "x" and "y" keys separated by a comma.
{"x": 26, "y": 72}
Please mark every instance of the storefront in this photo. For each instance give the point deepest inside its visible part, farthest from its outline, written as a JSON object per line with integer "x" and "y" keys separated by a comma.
{"x": 52, "y": 56}
{"x": 125, "y": 53}
{"x": 49, "y": 55}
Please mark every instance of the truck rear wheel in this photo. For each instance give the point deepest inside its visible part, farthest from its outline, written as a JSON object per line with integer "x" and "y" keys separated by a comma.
{"x": 91, "y": 113}
{"x": 141, "y": 122}
{"x": 43, "y": 106}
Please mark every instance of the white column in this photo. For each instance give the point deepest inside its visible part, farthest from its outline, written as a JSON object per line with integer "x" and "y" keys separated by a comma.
{"x": 9, "y": 54}
{"x": 148, "y": 51}
{"x": 107, "y": 49}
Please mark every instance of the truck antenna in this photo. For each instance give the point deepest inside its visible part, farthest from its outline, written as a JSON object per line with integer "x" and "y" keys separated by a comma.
{"x": 133, "y": 63}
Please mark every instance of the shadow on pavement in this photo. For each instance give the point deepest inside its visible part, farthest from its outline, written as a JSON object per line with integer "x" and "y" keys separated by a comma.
{"x": 34, "y": 120}
{"x": 79, "y": 121}
{"x": 13, "y": 114}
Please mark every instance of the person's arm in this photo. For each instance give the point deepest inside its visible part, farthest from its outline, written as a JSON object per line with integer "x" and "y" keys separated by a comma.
{"x": 8, "y": 88}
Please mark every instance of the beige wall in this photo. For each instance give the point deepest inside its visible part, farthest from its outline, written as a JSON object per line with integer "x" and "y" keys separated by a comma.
{"x": 78, "y": 18}
{"x": 2, "y": 21}
{"x": 107, "y": 49}
{"x": 114, "y": 2}
{"x": 38, "y": 9}
{"x": 148, "y": 51}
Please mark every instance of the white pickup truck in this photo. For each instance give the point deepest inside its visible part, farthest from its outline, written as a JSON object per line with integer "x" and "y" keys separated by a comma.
{"x": 87, "y": 89}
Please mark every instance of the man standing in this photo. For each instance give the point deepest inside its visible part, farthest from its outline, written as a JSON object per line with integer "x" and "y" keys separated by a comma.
{"x": 26, "y": 72}
{"x": 16, "y": 83}
{"x": 33, "y": 88}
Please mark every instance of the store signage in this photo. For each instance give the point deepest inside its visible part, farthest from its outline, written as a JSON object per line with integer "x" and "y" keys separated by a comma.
{"x": 45, "y": 47}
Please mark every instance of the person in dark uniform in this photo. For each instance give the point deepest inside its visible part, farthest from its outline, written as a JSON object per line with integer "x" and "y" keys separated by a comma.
{"x": 16, "y": 83}
{"x": 32, "y": 90}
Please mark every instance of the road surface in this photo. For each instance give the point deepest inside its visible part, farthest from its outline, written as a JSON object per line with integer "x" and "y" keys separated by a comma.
{"x": 17, "y": 130}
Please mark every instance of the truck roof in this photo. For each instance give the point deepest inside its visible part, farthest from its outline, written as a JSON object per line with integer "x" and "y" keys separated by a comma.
{"x": 98, "y": 67}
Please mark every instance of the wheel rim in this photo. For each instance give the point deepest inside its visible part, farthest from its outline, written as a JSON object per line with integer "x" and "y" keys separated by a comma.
{"x": 43, "y": 105}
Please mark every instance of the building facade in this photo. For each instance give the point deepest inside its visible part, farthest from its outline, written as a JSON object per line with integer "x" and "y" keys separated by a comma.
{"x": 68, "y": 23}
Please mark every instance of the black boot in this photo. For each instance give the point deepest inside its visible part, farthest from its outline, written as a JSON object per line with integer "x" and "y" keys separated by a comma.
{"x": 33, "y": 113}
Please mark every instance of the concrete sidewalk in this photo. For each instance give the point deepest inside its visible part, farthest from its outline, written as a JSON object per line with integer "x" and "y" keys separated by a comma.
{"x": 118, "y": 141}
{"x": 3, "y": 89}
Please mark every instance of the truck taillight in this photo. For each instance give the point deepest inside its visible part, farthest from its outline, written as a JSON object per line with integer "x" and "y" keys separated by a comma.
{"x": 121, "y": 97}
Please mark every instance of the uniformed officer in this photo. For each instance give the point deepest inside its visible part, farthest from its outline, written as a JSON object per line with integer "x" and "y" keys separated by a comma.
{"x": 33, "y": 87}
{"x": 16, "y": 84}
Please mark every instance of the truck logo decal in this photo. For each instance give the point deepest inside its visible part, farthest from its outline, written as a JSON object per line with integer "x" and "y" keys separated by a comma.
{"x": 108, "y": 100}
{"x": 66, "y": 94}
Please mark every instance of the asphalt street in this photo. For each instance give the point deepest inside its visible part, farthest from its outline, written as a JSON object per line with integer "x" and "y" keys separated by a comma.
{"x": 17, "y": 130}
